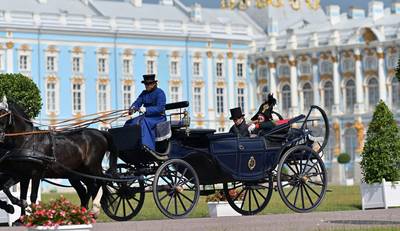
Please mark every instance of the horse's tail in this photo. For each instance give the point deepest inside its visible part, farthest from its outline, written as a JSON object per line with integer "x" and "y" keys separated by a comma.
{"x": 113, "y": 156}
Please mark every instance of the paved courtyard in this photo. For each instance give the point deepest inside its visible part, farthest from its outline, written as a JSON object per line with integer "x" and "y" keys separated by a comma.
{"x": 309, "y": 221}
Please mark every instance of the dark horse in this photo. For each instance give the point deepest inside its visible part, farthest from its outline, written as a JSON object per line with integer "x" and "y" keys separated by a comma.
{"x": 35, "y": 154}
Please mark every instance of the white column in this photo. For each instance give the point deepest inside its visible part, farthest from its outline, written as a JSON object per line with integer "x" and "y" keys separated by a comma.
{"x": 293, "y": 86}
{"x": 315, "y": 77}
{"x": 231, "y": 88}
{"x": 381, "y": 73}
{"x": 336, "y": 85}
{"x": 210, "y": 90}
{"x": 359, "y": 108}
{"x": 272, "y": 76}
{"x": 10, "y": 57}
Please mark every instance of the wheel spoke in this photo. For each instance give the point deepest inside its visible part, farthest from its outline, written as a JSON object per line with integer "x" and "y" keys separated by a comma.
{"x": 290, "y": 192}
{"x": 312, "y": 190}
{"x": 119, "y": 203}
{"x": 308, "y": 195}
{"x": 186, "y": 197}
{"x": 249, "y": 190}
{"x": 180, "y": 200}
{"x": 295, "y": 198}
{"x": 169, "y": 203}
{"x": 244, "y": 199}
{"x": 255, "y": 198}
{"x": 130, "y": 205}
{"x": 316, "y": 183}
{"x": 176, "y": 204}
{"x": 302, "y": 195}
{"x": 240, "y": 193}
{"x": 259, "y": 193}
{"x": 182, "y": 175}
{"x": 163, "y": 197}
{"x": 123, "y": 207}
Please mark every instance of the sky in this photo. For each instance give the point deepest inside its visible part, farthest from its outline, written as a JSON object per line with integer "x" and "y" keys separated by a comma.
{"x": 344, "y": 4}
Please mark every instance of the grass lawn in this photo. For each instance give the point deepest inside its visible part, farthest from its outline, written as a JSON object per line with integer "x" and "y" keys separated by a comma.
{"x": 338, "y": 198}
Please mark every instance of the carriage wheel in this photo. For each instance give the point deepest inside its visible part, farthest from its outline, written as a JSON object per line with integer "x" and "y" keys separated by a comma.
{"x": 301, "y": 179}
{"x": 123, "y": 201}
{"x": 250, "y": 197}
{"x": 176, "y": 188}
{"x": 317, "y": 123}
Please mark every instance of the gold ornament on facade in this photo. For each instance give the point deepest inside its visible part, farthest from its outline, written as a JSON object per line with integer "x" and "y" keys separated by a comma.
{"x": 175, "y": 54}
{"x": 305, "y": 78}
{"x": 52, "y": 78}
{"x": 315, "y": 61}
{"x": 326, "y": 77}
{"x": 262, "y": 81}
{"x": 103, "y": 51}
{"x": 348, "y": 75}
{"x": 284, "y": 79}
{"x": 295, "y": 4}
{"x": 128, "y": 82}
{"x": 197, "y": 55}
{"x": 220, "y": 84}
{"x": 380, "y": 55}
{"x": 252, "y": 66}
{"x": 392, "y": 50}
{"x": 347, "y": 54}
{"x": 334, "y": 59}
{"x": 128, "y": 52}
{"x": 241, "y": 57}
{"x": 369, "y": 51}
{"x": 209, "y": 54}
{"x": 77, "y": 50}
{"x": 313, "y": 4}
{"x": 392, "y": 72}
{"x": 229, "y": 55}
{"x": 52, "y": 49}
{"x": 360, "y": 135}
{"x": 357, "y": 57}
{"x": 9, "y": 45}
{"x": 77, "y": 80}
{"x": 221, "y": 120}
{"x": 272, "y": 65}
{"x": 293, "y": 63}
{"x": 283, "y": 60}
{"x": 102, "y": 80}
{"x": 303, "y": 58}
{"x": 370, "y": 73}
{"x": 241, "y": 84}
{"x": 220, "y": 56}
{"x": 25, "y": 47}
{"x": 175, "y": 82}
{"x": 198, "y": 83}
{"x": 336, "y": 128}
{"x": 152, "y": 53}
{"x": 261, "y": 62}
{"x": 369, "y": 36}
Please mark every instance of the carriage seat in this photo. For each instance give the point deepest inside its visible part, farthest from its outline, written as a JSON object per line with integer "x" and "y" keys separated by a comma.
{"x": 163, "y": 131}
{"x": 278, "y": 134}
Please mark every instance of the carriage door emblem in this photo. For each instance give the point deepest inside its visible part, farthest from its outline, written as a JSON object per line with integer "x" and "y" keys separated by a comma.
{"x": 251, "y": 163}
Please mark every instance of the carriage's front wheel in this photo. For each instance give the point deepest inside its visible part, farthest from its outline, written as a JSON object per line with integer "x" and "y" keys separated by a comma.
{"x": 176, "y": 188}
{"x": 301, "y": 179}
{"x": 121, "y": 201}
{"x": 249, "y": 198}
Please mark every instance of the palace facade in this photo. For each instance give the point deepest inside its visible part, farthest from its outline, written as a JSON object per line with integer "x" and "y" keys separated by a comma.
{"x": 88, "y": 56}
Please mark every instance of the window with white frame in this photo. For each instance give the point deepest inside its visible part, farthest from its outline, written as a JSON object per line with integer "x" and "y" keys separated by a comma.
{"x": 395, "y": 93}
{"x": 348, "y": 64}
{"x": 23, "y": 63}
{"x": 77, "y": 96}
{"x": 50, "y": 63}
{"x": 196, "y": 68}
{"x": 305, "y": 68}
{"x": 102, "y": 97}
{"x": 77, "y": 64}
{"x": 219, "y": 69}
{"x": 392, "y": 60}
{"x": 262, "y": 72}
{"x": 239, "y": 70}
{"x": 51, "y": 97}
{"x": 370, "y": 63}
{"x": 220, "y": 100}
{"x": 127, "y": 66}
{"x": 174, "y": 94}
{"x": 283, "y": 70}
{"x": 328, "y": 96}
{"x": 150, "y": 66}
{"x": 326, "y": 67}
{"x": 308, "y": 96}
{"x": 127, "y": 95}
{"x": 102, "y": 65}
{"x": 350, "y": 90}
{"x": 350, "y": 137}
{"x": 286, "y": 101}
{"x": 197, "y": 101}
{"x": 240, "y": 98}
{"x": 373, "y": 92}
{"x": 174, "y": 68}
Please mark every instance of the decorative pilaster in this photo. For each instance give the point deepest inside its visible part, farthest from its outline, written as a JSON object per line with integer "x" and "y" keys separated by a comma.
{"x": 381, "y": 74}
{"x": 358, "y": 125}
{"x": 272, "y": 76}
{"x": 10, "y": 57}
{"x": 336, "y": 129}
{"x": 314, "y": 62}
{"x": 336, "y": 85}
{"x": 231, "y": 97}
{"x": 293, "y": 86}
{"x": 210, "y": 90}
{"x": 359, "y": 107}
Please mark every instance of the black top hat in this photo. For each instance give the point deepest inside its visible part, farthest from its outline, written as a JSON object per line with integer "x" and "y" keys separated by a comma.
{"x": 150, "y": 78}
{"x": 236, "y": 113}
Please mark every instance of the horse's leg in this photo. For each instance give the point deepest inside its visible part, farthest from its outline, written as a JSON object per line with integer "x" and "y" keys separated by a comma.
{"x": 24, "y": 185}
{"x": 6, "y": 189}
{"x": 35, "y": 189}
{"x": 97, "y": 201}
{"x": 3, "y": 204}
{"x": 81, "y": 190}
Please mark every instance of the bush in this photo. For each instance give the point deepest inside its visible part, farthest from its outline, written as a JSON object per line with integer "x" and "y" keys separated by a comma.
{"x": 57, "y": 212}
{"x": 343, "y": 158}
{"x": 220, "y": 196}
{"x": 381, "y": 154}
{"x": 23, "y": 91}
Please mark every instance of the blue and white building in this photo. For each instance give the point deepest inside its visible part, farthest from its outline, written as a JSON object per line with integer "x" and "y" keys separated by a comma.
{"x": 88, "y": 56}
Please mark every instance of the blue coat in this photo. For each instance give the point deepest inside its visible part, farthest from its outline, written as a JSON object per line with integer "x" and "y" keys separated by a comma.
{"x": 154, "y": 102}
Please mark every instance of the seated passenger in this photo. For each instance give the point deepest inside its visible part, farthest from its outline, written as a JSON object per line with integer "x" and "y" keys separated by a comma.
{"x": 151, "y": 103}
{"x": 240, "y": 126}
{"x": 266, "y": 108}
{"x": 262, "y": 126}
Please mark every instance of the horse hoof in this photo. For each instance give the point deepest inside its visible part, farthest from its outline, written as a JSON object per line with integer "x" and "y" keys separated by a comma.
{"x": 10, "y": 209}
{"x": 24, "y": 204}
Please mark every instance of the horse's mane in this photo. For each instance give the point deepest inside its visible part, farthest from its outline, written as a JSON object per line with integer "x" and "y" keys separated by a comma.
{"x": 16, "y": 108}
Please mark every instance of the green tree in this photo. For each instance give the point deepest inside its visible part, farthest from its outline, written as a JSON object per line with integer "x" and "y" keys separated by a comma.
{"x": 23, "y": 91}
{"x": 381, "y": 154}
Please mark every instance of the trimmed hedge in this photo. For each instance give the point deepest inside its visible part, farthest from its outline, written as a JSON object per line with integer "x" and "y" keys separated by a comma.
{"x": 23, "y": 91}
{"x": 343, "y": 158}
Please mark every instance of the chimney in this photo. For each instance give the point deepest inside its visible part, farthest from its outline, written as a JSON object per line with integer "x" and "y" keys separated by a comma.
{"x": 375, "y": 10}
{"x": 356, "y": 13}
{"x": 167, "y": 2}
{"x": 137, "y": 3}
{"x": 272, "y": 28}
{"x": 195, "y": 13}
{"x": 333, "y": 12}
{"x": 396, "y": 8}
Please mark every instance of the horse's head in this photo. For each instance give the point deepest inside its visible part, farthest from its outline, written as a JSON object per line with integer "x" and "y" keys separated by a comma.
{"x": 5, "y": 117}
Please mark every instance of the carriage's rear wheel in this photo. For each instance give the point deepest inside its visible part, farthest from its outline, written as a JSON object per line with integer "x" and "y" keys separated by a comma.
{"x": 176, "y": 188}
{"x": 318, "y": 125}
{"x": 123, "y": 201}
{"x": 249, "y": 198}
{"x": 301, "y": 179}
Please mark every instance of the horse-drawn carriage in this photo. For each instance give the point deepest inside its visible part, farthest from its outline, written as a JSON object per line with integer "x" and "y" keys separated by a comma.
{"x": 287, "y": 158}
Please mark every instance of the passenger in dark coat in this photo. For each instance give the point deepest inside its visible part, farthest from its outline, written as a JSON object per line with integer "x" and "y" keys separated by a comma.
{"x": 262, "y": 126}
{"x": 151, "y": 103}
{"x": 240, "y": 127}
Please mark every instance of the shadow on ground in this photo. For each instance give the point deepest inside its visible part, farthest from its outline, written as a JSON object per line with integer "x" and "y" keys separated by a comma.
{"x": 364, "y": 222}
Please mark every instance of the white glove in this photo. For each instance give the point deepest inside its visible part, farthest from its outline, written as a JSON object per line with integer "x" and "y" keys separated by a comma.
{"x": 251, "y": 128}
{"x": 142, "y": 109}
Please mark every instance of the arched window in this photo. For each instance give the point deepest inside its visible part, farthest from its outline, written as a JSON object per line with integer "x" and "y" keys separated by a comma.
{"x": 328, "y": 96}
{"x": 326, "y": 67}
{"x": 395, "y": 93}
{"x": 308, "y": 96}
{"x": 350, "y": 95}
{"x": 373, "y": 92}
{"x": 348, "y": 65}
{"x": 286, "y": 104}
{"x": 350, "y": 139}
{"x": 264, "y": 93}
{"x": 371, "y": 63}
{"x": 284, "y": 70}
